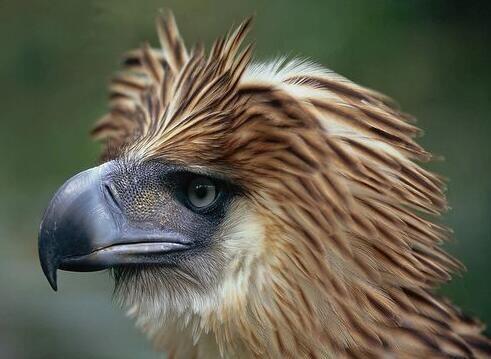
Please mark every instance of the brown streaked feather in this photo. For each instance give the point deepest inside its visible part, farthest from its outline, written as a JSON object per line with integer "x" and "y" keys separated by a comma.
{"x": 331, "y": 168}
{"x": 172, "y": 44}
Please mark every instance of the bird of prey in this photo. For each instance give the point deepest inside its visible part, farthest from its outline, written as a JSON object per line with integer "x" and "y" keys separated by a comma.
{"x": 261, "y": 210}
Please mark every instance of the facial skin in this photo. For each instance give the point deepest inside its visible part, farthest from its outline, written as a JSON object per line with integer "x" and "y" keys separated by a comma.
{"x": 162, "y": 195}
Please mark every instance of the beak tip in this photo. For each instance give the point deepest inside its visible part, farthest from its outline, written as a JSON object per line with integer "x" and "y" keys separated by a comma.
{"x": 49, "y": 270}
{"x": 51, "y": 277}
{"x": 52, "y": 282}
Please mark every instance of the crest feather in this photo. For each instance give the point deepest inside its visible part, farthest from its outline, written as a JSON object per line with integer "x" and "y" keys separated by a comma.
{"x": 332, "y": 171}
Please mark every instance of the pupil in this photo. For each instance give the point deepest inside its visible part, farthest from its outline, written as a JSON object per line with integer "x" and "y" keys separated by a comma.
{"x": 201, "y": 191}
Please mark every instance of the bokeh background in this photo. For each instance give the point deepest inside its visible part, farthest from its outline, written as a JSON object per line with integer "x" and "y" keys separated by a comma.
{"x": 56, "y": 57}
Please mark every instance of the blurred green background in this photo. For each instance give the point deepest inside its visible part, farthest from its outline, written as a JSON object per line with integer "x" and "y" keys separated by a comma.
{"x": 433, "y": 57}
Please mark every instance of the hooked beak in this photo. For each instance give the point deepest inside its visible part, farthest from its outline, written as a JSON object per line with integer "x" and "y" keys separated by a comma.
{"x": 84, "y": 229}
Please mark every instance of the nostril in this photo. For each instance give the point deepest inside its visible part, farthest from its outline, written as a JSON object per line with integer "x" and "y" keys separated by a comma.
{"x": 111, "y": 195}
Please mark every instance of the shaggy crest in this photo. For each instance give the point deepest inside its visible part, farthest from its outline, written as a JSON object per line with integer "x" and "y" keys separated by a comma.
{"x": 349, "y": 257}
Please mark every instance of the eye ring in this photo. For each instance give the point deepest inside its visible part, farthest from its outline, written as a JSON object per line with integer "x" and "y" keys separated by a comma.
{"x": 201, "y": 192}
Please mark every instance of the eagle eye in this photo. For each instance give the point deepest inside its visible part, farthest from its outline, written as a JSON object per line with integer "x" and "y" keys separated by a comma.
{"x": 201, "y": 192}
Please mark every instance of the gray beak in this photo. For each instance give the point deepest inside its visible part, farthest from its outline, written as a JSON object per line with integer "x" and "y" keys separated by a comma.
{"x": 84, "y": 229}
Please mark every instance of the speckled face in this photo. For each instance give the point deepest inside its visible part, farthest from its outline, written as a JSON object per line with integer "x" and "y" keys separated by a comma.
{"x": 172, "y": 198}
{"x": 160, "y": 196}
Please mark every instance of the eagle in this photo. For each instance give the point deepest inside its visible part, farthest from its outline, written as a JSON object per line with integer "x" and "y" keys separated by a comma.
{"x": 261, "y": 210}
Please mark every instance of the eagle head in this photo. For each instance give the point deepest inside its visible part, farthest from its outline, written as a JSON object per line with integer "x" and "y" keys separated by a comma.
{"x": 260, "y": 210}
